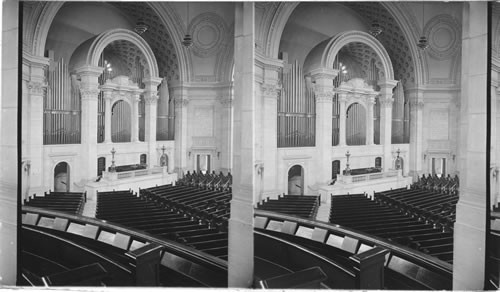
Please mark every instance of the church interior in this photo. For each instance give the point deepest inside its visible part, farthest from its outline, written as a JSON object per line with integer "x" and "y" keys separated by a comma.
{"x": 315, "y": 145}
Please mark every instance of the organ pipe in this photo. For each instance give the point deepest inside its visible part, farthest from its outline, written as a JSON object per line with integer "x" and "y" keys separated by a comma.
{"x": 61, "y": 112}
{"x": 296, "y": 108}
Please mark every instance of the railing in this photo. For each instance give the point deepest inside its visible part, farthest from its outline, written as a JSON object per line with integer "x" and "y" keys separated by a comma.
{"x": 202, "y": 267}
{"x": 368, "y": 177}
{"x": 419, "y": 268}
{"x": 133, "y": 173}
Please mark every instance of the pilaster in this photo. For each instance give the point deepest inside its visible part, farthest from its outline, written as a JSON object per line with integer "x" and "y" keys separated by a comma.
{"x": 181, "y": 102}
{"x": 416, "y": 131}
{"x": 386, "y": 101}
{"x": 151, "y": 103}
{"x": 89, "y": 91}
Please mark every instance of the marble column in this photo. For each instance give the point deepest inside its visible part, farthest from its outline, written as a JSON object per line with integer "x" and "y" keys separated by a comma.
{"x": 370, "y": 103}
{"x": 386, "y": 101}
{"x": 342, "y": 118}
{"x": 416, "y": 131}
{"x": 135, "y": 98}
{"x": 151, "y": 102}
{"x": 89, "y": 90}
{"x": 241, "y": 245}
{"x": 107, "y": 115}
{"x": 469, "y": 230}
{"x": 8, "y": 145}
{"x": 269, "y": 136}
{"x": 323, "y": 91}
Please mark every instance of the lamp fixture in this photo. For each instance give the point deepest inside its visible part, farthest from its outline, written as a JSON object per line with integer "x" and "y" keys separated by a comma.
{"x": 188, "y": 40}
{"x": 141, "y": 27}
{"x": 375, "y": 30}
{"x": 422, "y": 42}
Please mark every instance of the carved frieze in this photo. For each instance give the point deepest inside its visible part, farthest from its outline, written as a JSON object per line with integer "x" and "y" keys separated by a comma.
{"x": 181, "y": 102}
{"x": 270, "y": 90}
{"x": 37, "y": 88}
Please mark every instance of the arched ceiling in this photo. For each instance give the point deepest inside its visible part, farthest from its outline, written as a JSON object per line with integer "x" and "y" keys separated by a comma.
{"x": 127, "y": 53}
{"x": 156, "y": 36}
{"x": 317, "y": 21}
{"x": 363, "y": 55}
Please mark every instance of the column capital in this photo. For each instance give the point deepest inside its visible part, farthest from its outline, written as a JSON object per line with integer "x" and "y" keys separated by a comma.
{"x": 418, "y": 104}
{"x": 225, "y": 101}
{"x": 152, "y": 82}
{"x": 37, "y": 88}
{"x": 181, "y": 101}
{"x": 322, "y": 97}
{"x": 151, "y": 98}
{"x": 386, "y": 102}
{"x": 324, "y": 73}
{"x": 387, "y": 85}
{"x": 270, "y": 90}
{"x": 93, "y": 71}
{"x": 89, "y": 91}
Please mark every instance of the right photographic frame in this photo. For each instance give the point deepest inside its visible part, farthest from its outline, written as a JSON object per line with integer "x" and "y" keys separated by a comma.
{"x": 376, "y": 161}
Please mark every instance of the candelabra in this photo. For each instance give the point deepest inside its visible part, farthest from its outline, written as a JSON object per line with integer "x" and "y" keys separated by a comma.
{"x": 347, "y": 169}
{"x": 163, "y": 161}
{"x": 398, "y": 160}
{"x": 112, "y": 168}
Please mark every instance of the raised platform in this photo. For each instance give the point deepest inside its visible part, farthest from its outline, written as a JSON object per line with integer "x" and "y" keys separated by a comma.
{"x": 143, "y": 178}
{"x": 369, "y": 183}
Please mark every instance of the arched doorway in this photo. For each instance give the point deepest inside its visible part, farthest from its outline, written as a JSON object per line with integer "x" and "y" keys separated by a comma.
{"x": 61, "y": 177}
{"x": 296, "y": 180}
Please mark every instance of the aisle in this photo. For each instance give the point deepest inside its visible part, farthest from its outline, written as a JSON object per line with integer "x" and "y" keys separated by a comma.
{"x": 324, "y": 211}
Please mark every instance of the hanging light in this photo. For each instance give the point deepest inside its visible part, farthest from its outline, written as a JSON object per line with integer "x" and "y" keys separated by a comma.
{"x": 188, "y": 40}
{"x": 375, "y": 30}
{"x": 422, "y": 42}
{"x": 141, "y": 27}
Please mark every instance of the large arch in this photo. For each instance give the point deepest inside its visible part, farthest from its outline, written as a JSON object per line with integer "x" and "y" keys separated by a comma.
{"x": 323, "y": 55}
{"x": 43, "y": 18}
{"x": 273, "y": 31}
{"x": 89, "y": 53}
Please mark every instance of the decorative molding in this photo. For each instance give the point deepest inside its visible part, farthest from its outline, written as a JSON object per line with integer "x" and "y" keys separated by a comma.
{"x": 37, "y": 88}
{"x": 443, "y": 22}
{"x": 324, "y": 96}
{"x": 225, "y": 101}
{"x": 151, "y": 98}
{"x": 270, "y": 90}
{"x": 386, "y": 102}
{"x": 89, "y": 91}
{"x": 418, "y": 104}
{"x": 181, "y": 102}
{"x": 207, "y": 21}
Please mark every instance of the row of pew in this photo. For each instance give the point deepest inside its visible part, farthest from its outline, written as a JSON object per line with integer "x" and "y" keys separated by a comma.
{"x": 438, "y": 208}
{"x": 302, "y": 206}
{"x": 69, "y": 202}
{"x": 206, "y": 180}
{"x": 391, "y": 222}
{"x": 179, "y": 213}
